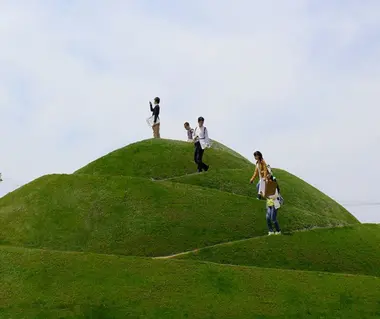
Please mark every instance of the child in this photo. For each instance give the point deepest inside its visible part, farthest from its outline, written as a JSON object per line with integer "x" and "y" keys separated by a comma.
{"x": 190, "y": 132}
{"x": 261, "y": 170}
{"x": 201, "y": 141}
{"x": 273, "y": 204}
{"x": 155, "y": 112}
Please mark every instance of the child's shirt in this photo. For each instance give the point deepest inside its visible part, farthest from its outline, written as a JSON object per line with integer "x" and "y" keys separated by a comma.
{"x": 190, "y": 133}
{"x": 270, "y": 202}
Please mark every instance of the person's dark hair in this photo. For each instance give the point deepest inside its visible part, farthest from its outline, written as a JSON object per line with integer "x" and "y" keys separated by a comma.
{"x": 186, "y": 124}
{"x": 157, "y": 100}
{"x": 258, "y": 153}
{"x": 201, "y": 119}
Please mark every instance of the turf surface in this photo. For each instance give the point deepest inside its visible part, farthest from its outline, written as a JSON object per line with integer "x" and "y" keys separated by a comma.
{"x": 353, "y": 249}
{"x": 96, "y": 230}
{"x": 48, "y": 284}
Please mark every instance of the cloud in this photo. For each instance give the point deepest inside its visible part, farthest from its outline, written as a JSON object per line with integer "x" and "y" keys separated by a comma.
{"x": 297, "y": 80}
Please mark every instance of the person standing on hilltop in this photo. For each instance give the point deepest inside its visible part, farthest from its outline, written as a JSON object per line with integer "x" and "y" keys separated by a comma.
{"x": 201, "y": 141}
{"x": 262, "y": 171}
{"x": 156, "y": 120}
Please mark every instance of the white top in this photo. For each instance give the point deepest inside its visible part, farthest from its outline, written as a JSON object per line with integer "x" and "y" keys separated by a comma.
{"x": 201, "y": 136}
{"x": 276, "y": 201}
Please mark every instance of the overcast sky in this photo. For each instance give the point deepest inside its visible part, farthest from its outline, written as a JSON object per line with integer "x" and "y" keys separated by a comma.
{"x": 298, "y": 80}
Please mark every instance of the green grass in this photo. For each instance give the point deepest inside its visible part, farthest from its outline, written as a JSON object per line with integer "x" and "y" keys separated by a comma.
{"x": 295, "y": 191}
{"x": 133, "y": 216}
{"x": 220, "y": 146}
{"x": 353, "y": 250}
{"x": 159, "y": 159}
{"x": 46, "y": 284}
{"x": 143, "y": 201}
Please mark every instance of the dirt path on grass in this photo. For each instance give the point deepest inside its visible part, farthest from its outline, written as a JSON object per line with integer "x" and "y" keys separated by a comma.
{"x": 243, "y": 240}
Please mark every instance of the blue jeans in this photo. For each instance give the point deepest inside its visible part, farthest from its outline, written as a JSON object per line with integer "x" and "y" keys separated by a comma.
{"x": 272, "y": 218}
{"x": 258, "y": 187}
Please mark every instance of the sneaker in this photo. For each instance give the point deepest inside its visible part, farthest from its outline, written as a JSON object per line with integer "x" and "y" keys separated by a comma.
{"x": 270, "y": 233}
{"x": 206, "y": 168}
{"x": 277, "y": 233}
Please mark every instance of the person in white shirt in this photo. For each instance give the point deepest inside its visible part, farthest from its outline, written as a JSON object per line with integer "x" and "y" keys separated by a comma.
{"x": 201, "y": 141}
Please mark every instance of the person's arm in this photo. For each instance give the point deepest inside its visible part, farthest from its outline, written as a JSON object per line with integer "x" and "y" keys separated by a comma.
{"x": 195, "y": 134}
{"x": 156, "y": 112}
{"x": 265, "y": 169}
{"x": 207, "y": 140}
{"x": 255, "y": 174}
{"x": 151, "y": 108}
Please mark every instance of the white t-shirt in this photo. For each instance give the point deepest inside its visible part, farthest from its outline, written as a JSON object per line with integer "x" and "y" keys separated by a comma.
{"x": 201, "y": 136}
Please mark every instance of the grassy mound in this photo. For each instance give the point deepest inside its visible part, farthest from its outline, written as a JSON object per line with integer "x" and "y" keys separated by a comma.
{"x": 296, "y": 192}
{"x": 133, "y": 216}
{"x": 353, "y": 250}
{"x": 143, "y": 200}
{"x": 48, "y": 284}
{"x": 159, "y": 159}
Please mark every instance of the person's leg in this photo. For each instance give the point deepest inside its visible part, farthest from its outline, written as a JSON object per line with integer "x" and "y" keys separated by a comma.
{"x": 154, "y": 127}
{"x": 269, "y": 220}
{"x": 258, "y": 189}
{"x": 203, "y": 166}
{"x": 200, "y": 159}
{"x": 158, "y": 131}
{"x": 197, "y": 156}
{"x": 274, "y": 220}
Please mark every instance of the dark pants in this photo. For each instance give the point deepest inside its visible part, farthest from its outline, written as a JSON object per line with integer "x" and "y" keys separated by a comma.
{"x": 198, "y": 157}
{"x": 272, "y": 217}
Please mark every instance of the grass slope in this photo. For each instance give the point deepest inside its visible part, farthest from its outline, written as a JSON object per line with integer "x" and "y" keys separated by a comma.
{"x": 295, "y": 191}
{"x": 133, "y": 216}
{"x": 47, "y": 284}
{"x": 353, "y": 250}
{"x": 159, "y": 159}
{"x": 220, "y": 146}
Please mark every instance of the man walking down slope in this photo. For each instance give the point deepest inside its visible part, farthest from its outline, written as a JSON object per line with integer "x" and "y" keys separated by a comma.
{"x": 156, "y": 121}
{"x": 201, "y": 141}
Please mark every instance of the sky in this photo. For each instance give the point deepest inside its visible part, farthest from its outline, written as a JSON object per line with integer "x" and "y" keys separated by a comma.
{"x": 298, "y": 80}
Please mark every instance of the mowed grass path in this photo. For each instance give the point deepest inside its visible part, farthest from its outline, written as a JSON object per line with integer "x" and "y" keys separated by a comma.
{"x": 354, "y": 249}
{"x": 46, "y": 284}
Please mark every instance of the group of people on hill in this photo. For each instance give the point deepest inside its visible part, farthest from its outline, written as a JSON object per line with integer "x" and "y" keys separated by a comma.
{"x": 198, "y": 136}
{"x": 267, "y": 186}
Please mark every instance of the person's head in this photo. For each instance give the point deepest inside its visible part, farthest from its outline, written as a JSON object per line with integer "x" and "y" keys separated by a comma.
{"x": 258, "y": 156}
{"x": 157, "y": 100}
{"x": 201, "y": 121}
{"x": 187, "y": 125}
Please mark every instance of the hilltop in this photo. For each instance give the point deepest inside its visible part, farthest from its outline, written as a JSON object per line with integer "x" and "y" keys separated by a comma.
{"x": 80, "y": 245}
